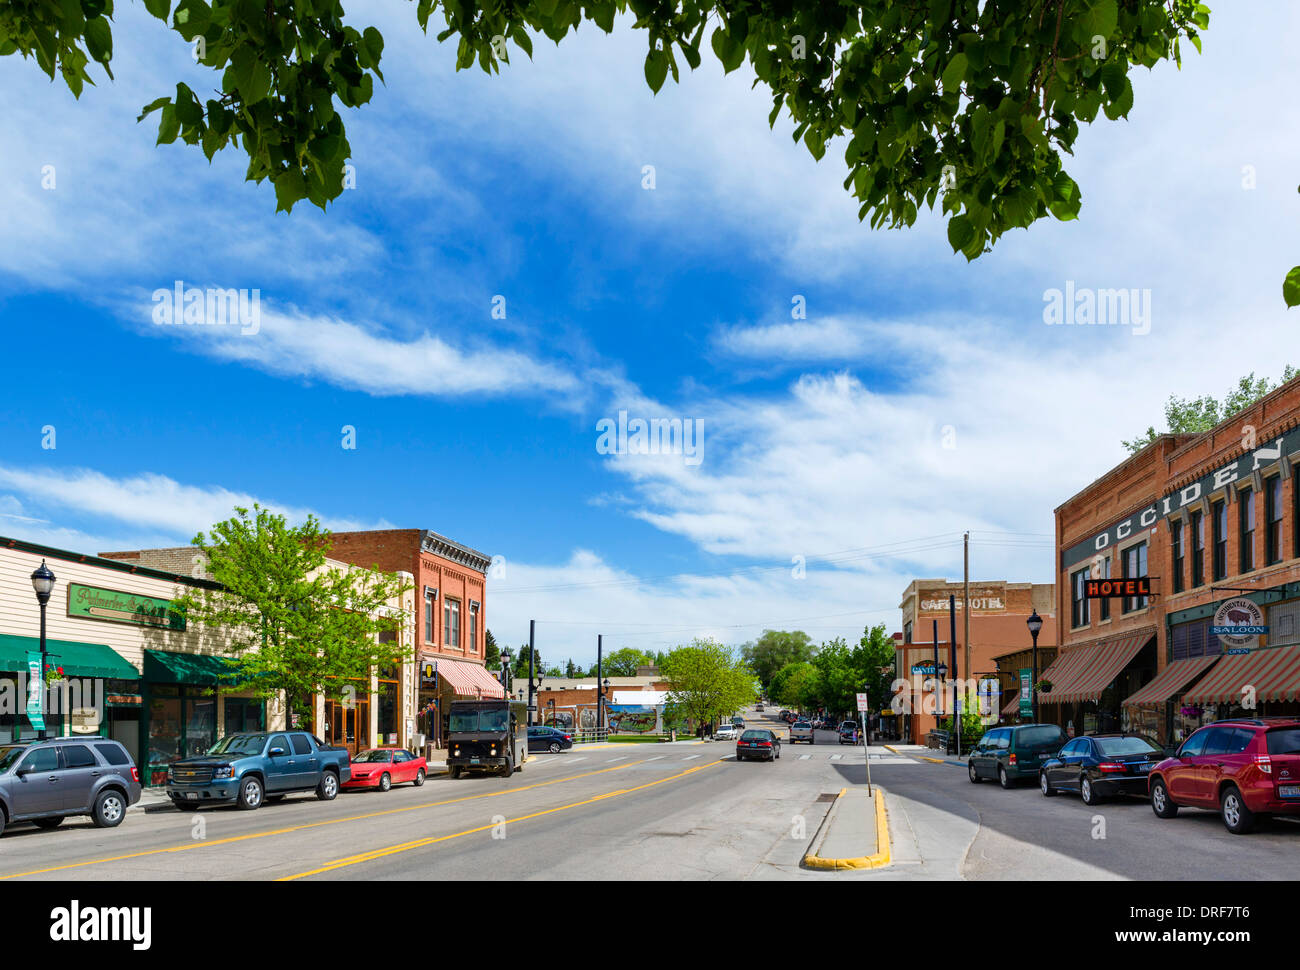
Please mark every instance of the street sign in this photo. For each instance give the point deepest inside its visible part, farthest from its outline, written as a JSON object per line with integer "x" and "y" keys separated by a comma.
{"x": 35, "y": 690}
{"x": 862, "y": 703}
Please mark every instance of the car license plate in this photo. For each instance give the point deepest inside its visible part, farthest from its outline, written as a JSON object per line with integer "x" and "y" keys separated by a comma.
{"x": 1142, "y": 769}
{"x": 1289, "y": 791}
{"x": 473, "y": 761}
{"x": 191, "y": 794}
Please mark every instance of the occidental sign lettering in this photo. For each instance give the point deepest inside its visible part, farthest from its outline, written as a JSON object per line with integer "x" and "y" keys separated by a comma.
{"x": 1243, "y": 467}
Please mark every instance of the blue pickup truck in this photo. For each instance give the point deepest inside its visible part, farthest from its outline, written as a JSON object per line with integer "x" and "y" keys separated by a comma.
{"x": 249, "y": 769}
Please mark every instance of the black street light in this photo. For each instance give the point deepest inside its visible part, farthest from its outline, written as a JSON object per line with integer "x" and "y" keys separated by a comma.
{"x": 1035, "y": 623}
{"x": 43, "y": 582}
{"x": 506, "y": 658}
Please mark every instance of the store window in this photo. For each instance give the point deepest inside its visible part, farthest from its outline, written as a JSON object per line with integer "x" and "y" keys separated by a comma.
{"x": 1246, "y": 524}
{"x": 1197, "y": 528}
{"x": 1273, "y": 519}
{"x": 244, "y": 714}
{"x": 388, "y": 706}
{"x": 1176, "y": 541}
{"x": 429, "y": 596}
{"x": 1079, "y": 603}
{"x": 451, "y": 622}
{"x": 1220, "y": 511}
{"x": 1135, "y": 567}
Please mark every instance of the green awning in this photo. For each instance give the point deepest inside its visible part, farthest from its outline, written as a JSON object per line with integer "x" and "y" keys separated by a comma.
{"x": 76, "y": 659}
{"x": 166, "y": 667}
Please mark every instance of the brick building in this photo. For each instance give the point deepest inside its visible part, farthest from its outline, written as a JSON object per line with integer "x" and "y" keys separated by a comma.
{"x": 1207, "y": 518}
{"x": 998, "y": 610}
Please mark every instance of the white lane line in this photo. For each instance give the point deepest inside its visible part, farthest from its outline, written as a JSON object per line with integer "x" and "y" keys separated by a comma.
{"x": 804, "y": 757}
{"x": 690, "y": 757}
{"x": 655, "y": 758}
{"x": 612, "y": 760}
{"x": 574, "y": 761}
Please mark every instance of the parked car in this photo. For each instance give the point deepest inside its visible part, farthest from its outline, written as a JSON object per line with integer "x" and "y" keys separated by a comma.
{"x": 758, "y": 743}
{"x": 759, "y": 708}
{"x": 848, "y": 732}
{"x": 1012, "y": 753}
{"x": 247, "y": 769}
{"x": 738, "y": 721}
{"x": 725, "y": 732}
{"x": 1101, "y": 765}
{"x": 385, "y": 767}
{"x": 1246, "y": 768}
{"x": 44, "y": 782}
{"x": 802, "y": 731}
{"x": 545, "y": 738}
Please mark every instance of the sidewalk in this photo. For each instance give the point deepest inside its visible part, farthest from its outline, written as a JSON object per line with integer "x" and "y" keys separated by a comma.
{"x": 855, "y": 833}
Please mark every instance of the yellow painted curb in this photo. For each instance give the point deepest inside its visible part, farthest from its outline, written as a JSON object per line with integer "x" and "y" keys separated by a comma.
{"x": 882, "y": 857}
{"x": 937, "y": 761}
{"x": 888, "y": 748}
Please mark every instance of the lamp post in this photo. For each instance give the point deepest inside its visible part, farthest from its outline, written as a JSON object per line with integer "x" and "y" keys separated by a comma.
{"x": 43, "y": 583}
{"x": 600, "y": 715}
{"x": 1035, "y": 623}
{"x": 506, "y": 658}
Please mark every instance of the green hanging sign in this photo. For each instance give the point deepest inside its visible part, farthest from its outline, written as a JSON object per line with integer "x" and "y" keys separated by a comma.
{"x": 35, "y": 690}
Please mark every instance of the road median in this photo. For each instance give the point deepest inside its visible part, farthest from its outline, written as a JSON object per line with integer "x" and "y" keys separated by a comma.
{"x": 854, "y": 834}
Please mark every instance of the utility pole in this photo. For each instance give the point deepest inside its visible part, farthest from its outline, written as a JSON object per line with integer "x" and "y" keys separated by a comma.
{"x": 600, "y": 673}
{"x": 952, "y": 654}
{"x": 532, "y": 652}
{"x": 965, "y": 609}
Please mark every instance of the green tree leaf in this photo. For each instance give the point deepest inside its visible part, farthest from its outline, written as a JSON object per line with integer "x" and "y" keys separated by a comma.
{"x": 1291, "y": 287}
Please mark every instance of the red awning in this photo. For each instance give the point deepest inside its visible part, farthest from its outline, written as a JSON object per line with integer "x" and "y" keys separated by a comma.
{"x": 1273, "y": 672}
{"x": 1012, "y": 705}
{"x": 469, "y": 679}
{"x": 1084, "y": 672}
{"x": 1170, "y": 681}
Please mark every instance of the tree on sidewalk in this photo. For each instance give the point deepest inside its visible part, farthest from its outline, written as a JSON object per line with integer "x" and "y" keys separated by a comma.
{"x": 707, "y": 682}
{"x": 295, "y": 626}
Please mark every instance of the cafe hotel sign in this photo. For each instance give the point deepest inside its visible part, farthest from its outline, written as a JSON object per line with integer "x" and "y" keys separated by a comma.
{"x": 93, "y": 603}
{"x": 1206, "y": 486}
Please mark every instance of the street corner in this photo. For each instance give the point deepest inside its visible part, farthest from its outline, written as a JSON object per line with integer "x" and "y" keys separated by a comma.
{"x": 855, "y": 833}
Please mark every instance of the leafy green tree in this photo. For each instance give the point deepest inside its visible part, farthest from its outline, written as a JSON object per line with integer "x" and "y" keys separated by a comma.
{"x": 844, "y": 671}
{"x": 491, "y": 652}
{"x": 707, "y": 682}
{"x": 965, "y": 105}
{"x": 624, "y": 662}
{"x": 295, "y": 626}
{"x": 1194, "y": 415}
{"x": 774, "y": 650}
{"x": 797, "y": 685}
{"x": 520, "y": 665}
{"x": 875, "y": 659}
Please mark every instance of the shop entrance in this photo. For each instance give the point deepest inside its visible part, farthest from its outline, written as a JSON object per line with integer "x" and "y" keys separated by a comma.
{"x": 348, "y": 725}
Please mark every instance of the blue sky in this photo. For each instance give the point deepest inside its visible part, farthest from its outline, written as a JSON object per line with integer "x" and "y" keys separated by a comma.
{"x": 920, "y": 397}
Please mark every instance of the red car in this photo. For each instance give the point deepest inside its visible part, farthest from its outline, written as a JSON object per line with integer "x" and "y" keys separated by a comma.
{"x": 1245, "y": 768}
{"x": 383, "y": 768}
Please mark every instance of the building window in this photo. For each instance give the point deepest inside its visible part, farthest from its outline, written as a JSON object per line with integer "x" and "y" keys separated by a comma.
{"x": 1135, "y": 567}
{"x": 1198, "y": 549}
{"x": 1079, "y": 607}
{"x": 1246, "y": 522}
{"x": 429, "y": 597}
{"x": 451, "y": 622}
{"x": 1220, "y": 510}
{"x": 473, "y": 627}
{"x": 1176, "y": 538}
{"x": 1273, "y": 515}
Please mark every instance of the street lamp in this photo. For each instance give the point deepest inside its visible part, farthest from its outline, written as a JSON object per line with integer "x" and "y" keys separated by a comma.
{"x": 600, "y": 718}
{"x": 941, "y": 671}
{"x": 43, "y": 583}
{"x": 506, "y": 658}
{"x": 1035, "y": 623}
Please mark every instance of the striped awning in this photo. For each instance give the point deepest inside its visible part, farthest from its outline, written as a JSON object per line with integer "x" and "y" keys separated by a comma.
{"x": 1274, "y": 673}
{"x": 1170, "y": 681}
{"x": 1012, "y": 705}
{"x": 1082, "y": 673}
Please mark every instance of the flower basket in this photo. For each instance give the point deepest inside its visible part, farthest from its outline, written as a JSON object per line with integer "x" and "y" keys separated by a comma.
{"x": 1044, "y": 687}
{"x": 54, "y": 674}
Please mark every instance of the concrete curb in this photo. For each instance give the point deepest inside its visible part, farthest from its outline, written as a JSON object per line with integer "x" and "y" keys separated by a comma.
{"x": 882, "y": 856}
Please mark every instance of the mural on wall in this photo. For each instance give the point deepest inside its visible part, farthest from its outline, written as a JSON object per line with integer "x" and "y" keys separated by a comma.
{"x": 560, "y": 719}
{"x": 634, "y": 718}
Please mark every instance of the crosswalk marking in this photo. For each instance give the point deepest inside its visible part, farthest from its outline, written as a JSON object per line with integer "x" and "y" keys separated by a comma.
{"x": 804, "y": 757}
{"x": 836, "y": 757}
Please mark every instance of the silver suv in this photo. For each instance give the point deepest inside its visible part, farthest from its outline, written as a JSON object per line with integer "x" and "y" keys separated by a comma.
{"x": 44, "y": 782}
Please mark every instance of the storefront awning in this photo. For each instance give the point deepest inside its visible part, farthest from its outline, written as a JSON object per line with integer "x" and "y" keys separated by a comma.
{"x": 1013, "y": 705}
{"x": 1083, "y": 673}
{"x": 469, "y": 679}
{"x": 1274, "y": 673}
{"x": 76, "y": 659}
{"x": 168, "y": 667}
{"x": 1170, "y": 681}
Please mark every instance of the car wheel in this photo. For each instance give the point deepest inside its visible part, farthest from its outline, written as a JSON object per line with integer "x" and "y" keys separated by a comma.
{"x": 1003, "y": 779}
{"x": 1086, "y": 792}
{"x": 974, "y": 775}
{"x": 419, "y": 778}
{"x": 454, "y": 771}
{"x": 555, "y": 747}
{"x": 3, "y": 819}
{"x": 1161, "y": 803}
{"x": 109, "y": 810}
{"x": 508, "y": 768}
{"x": 385, "y": 782}
{"x": 328, "y": 787}
{"x": 1044, "y": 785}
{"x": 53, "y": 822}
{"x": 1236, "y": 816}
{"x": 250, "y": 794}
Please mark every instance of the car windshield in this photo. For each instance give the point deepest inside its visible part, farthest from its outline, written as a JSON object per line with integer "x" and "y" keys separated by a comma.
{"x": 493, "y": 720}
{"x": 848, "y": 726}
{"x": 1118, "y": 747}
{"x": 1041, "y": 734}
{"x": 756, "y": 736}
{"x": 10, "y": 754}
{"x": 801, "y": 724}
{"x": 239, "y": 744}
{"x": 1284, "y": 741}
{"x": 372, "y": 756}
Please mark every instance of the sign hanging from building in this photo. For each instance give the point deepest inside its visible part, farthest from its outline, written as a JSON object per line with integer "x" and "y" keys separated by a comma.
{"x": 1238, "y": 623}
{"x": 1106, "y": 588}
{"x": 1026, "y": 692}
{"x": 429, "y": 675}
{"x": 94, "y": 603}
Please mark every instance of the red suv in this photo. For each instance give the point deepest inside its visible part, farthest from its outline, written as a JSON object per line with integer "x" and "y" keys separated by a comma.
{"x": 1243, "y": 767}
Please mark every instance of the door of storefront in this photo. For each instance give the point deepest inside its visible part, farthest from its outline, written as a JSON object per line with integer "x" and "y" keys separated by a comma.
{"x": 181, "y": 723}
{"x": 348, "y": 725}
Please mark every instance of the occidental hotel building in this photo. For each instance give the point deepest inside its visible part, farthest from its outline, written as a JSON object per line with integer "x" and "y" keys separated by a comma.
{"x": 1213, "y": 521}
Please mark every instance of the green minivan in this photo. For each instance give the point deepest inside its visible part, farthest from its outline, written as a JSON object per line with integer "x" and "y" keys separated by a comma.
{"x": 1012, "y": 753}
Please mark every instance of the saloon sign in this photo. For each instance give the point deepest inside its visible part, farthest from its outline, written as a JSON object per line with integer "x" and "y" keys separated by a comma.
{"x": 1238, "y": 623}
{"x": 1135, "y": 524}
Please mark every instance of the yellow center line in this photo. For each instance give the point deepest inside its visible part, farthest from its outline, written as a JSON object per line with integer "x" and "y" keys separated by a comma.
{"x": 305, "y": 826}
{"x": 433, "y": 840}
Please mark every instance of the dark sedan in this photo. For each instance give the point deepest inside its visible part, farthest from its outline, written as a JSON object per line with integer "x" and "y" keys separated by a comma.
{"x": 1101, "y": 765}
{"x": 757, "y": 743}
{"x": 548, "y": 739}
